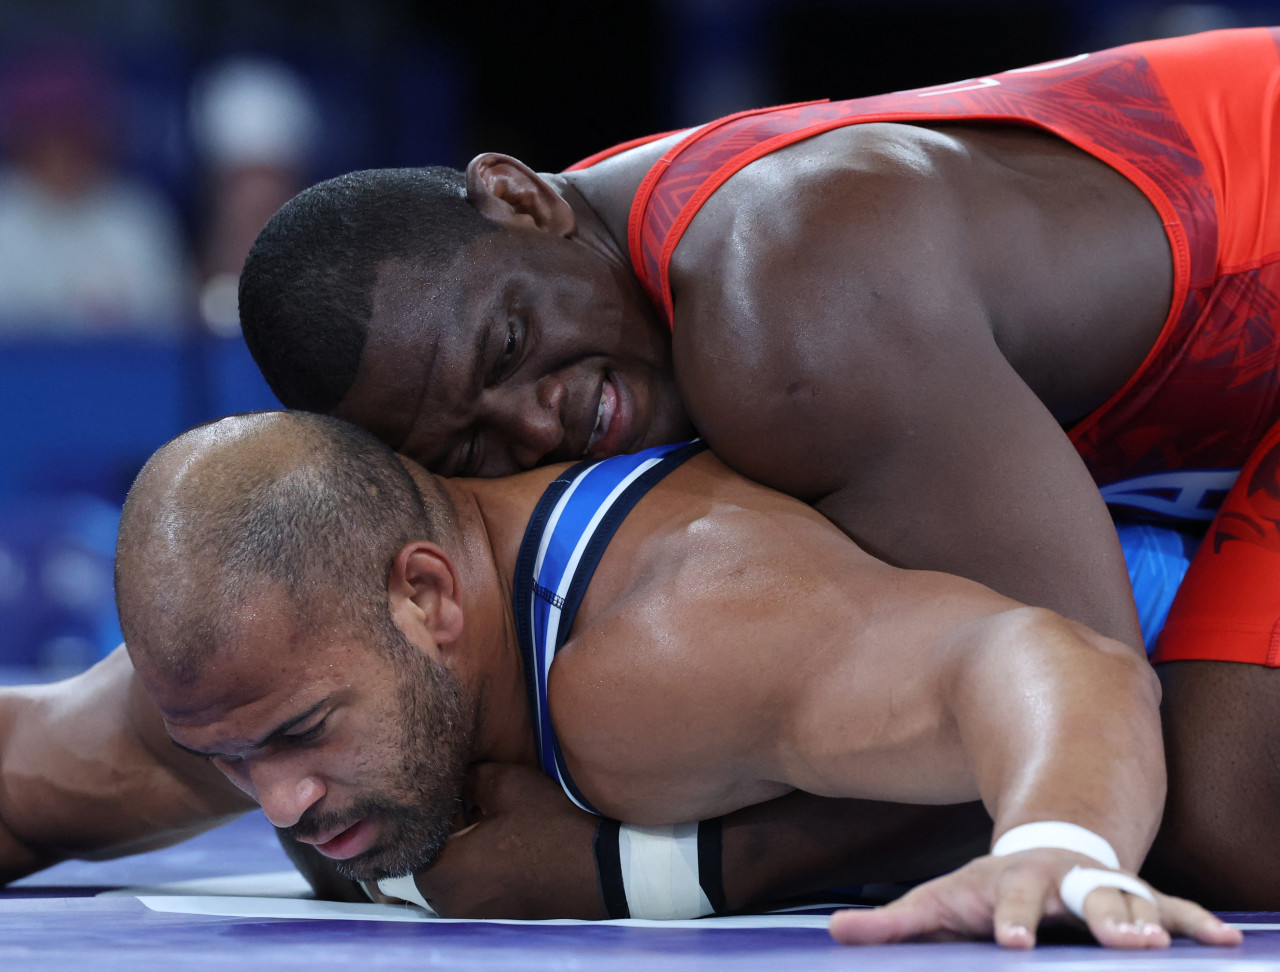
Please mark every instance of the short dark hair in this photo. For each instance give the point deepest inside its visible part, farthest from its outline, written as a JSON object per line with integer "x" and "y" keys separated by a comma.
{"x": 306, "y": 287}
{"x": 307, "y": 502}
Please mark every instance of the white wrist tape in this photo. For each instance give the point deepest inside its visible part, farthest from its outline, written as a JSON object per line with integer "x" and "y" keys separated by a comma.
{"x": 660, "y": 871}
{"x": 1080, "y": 882}
{"x": 1056, "y": 835}
{"x": 406, "y": 889}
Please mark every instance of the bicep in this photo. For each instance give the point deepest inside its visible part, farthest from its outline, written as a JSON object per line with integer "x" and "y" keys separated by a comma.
{"x": 917, "y": 438}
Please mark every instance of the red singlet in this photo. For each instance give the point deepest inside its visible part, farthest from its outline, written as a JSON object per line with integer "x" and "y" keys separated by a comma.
{"x": 1194, "y": 123}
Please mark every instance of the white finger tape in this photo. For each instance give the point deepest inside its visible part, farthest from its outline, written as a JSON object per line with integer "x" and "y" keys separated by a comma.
{"x": 1056, "y": 835}
{"x": 1080, "y": 882}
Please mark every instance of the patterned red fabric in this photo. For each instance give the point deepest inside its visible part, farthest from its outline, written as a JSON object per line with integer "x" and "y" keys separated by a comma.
{"x": 1195, "y": 124}
{"x": 1228, "y": 607}
{"x": 1208, "y": 389}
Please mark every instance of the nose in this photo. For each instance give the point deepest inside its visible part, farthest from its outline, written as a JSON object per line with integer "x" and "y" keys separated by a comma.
{"x": 283, "y": 793}
{"x": 532, "y": 424}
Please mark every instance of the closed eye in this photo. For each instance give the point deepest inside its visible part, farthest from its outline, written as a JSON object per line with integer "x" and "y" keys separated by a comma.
{"x": 308, "y": 735}
{"x": 469, "y": 461}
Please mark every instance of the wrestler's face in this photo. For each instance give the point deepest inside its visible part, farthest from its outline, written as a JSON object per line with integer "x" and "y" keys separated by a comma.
{"x": 532, "y": 350}
{"x": 356, "y": 749}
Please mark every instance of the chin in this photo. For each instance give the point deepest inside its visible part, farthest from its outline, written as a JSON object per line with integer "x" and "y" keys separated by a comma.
{"x": 380, "y": 863}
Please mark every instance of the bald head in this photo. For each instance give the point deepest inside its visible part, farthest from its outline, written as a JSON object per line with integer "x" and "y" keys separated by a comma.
{"x": 301, "y": 506}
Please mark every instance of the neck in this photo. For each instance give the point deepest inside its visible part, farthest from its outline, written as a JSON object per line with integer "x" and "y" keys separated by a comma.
{"x": 601, "y": 195}
{"x": 492, "y": 515}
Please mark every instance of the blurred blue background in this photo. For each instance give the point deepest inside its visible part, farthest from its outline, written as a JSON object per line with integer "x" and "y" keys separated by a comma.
{"x": 144, "y": 142}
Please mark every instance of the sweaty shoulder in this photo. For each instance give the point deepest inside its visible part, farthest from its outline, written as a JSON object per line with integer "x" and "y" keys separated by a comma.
{"x": 695, "y": 598}
{"x": 812, "y": 278}
{"x": 835, "y": 190}
{"x": 824, "y": 284}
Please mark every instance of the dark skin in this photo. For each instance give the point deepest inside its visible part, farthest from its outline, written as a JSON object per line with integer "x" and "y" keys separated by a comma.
{"x": 1222, "y": 741}
{"x": 932, "y": 432}
{"x": 975, "y": 261}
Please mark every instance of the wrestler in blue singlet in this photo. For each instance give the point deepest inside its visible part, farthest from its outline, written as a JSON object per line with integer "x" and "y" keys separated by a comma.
{"x": 570, "y": 528}
{"x": 580, "y": 511}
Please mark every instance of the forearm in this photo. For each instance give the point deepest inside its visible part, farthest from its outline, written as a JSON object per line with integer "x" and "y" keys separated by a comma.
{"x": 1062, "y": 725}
{"x": 533, "y": 854}
{"x": 802, "y": 844}
{"x": 17, "y": 860}
{"x": 87, "y": 771}
{"x": 1084, "y": 579}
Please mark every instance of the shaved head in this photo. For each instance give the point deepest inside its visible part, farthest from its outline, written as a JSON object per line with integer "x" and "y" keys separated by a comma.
{"x": 303, "y": 505}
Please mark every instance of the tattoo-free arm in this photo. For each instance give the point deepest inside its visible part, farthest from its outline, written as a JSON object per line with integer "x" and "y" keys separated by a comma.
{"x": 868, "y": 381}
{"x": 1060, "y": 724}
{"x": 87, "y": 770}
{"x": 1055, "y": 723}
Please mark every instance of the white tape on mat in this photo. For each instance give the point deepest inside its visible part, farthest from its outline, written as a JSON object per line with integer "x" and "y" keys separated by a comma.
{"x": 405, "y": 889}
{"x": 660, "y": 871}
{"x": 291, "y": 909}
{"x": 294, "y": 909}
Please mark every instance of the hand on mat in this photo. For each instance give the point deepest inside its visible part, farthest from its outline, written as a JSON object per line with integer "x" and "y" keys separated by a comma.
{"x": 1007, "y": 897}
{"x": 527, "y": 853}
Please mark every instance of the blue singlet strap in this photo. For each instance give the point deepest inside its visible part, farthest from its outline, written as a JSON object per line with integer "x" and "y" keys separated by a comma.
{"x": 567, "y": 534}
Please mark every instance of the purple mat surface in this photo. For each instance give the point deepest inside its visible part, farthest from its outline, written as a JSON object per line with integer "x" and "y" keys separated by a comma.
{"x": 53, "y": 921}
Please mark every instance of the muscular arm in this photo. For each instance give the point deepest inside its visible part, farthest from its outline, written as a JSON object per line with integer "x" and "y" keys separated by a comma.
{"x": 801, "y": 844}
{"x": 87, "y": 770}
{"x": 863, "y": 367}
{"x": 951, "y": 697}
{"x": 1057, "y": 724}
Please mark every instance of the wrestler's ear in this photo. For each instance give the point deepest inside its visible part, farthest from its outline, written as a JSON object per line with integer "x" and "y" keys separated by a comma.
{"x": 425, "y": 594}
{"x": 510, "y": 193}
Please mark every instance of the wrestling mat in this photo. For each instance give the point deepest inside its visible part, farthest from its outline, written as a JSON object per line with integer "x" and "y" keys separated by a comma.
{"x": 229, "y": 898}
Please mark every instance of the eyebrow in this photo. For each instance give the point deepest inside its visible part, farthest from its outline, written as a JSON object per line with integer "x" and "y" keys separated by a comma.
{"x": 266, "y": 740}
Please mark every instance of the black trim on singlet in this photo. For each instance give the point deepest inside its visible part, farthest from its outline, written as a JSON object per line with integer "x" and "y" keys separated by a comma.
{"x": 711, "y": 862}
{"x": 609, "y": 869}
{"x": 525, "y": 586}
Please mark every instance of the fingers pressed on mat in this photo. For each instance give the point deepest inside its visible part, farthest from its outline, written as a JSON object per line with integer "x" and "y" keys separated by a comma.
{"x": 876, "y": 926}
{"x": 1118, "y": 919}
{"x": 1188, "y": 919}
{"x": 1019, "y": 907}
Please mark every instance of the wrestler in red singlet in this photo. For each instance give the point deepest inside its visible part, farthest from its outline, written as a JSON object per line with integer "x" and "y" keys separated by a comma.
{"x": 1195, "y": 124}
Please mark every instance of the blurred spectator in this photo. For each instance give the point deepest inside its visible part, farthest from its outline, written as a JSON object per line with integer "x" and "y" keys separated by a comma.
{"x": 83, "y": 247}
{"x": 255, "y": 127}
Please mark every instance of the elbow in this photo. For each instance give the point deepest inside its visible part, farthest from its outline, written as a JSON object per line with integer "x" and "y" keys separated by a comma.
{"x": 1129, "y": 667}
{"x": 1043, "y": 637}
